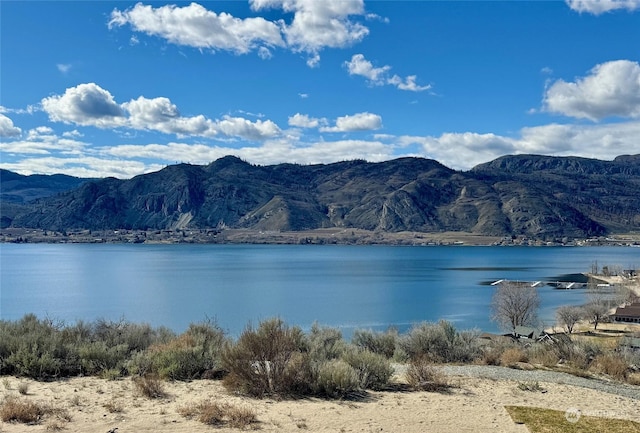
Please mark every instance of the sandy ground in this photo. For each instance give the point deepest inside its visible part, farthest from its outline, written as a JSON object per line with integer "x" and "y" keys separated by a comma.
{"x": 474, "y": 405}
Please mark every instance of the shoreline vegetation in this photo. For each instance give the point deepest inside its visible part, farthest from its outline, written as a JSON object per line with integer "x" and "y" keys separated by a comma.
{"x": 346, "y": 236}
{"x": 204, "y": 377}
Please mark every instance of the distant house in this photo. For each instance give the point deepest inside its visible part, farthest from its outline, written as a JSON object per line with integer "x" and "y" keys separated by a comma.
{"x": 627, "y": 314}
{"x": 527, "y": 332}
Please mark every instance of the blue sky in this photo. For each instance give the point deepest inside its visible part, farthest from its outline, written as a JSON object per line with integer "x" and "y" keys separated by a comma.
{"x": 98, "y": 88}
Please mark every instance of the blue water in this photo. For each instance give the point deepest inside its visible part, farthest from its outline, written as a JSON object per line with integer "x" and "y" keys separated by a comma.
{"x": 343, "y": 286}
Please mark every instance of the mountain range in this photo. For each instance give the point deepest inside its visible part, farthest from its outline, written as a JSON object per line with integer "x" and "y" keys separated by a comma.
{"x": 541, "y": 197}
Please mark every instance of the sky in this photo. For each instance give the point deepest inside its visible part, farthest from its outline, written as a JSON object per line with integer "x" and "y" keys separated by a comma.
{"x": 119, "y": 88}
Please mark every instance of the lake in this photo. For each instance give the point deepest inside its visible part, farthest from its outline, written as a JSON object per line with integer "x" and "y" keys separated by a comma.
{"x": 348, "y": 287}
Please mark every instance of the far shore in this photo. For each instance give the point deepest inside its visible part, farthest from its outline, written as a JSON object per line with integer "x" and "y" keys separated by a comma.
{"x": 334, "y": 235}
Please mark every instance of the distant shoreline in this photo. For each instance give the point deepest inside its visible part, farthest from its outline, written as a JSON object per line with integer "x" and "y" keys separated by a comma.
{"x": 328, "y": 236}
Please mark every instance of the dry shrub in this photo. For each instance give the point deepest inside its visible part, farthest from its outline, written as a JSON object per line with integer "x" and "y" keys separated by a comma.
{"x": 424, "y": 376}
{"x": 267, "y": 361}
{"x": 23, "y": 411}
{"x": 544, "y": 354}
{"x": 220, "y": 414}
{"x": 633, "y": 379}
{"x": 114, "y": 406}
{"x": 240, "y": 417}
{"x": 512, "y": 356}
{"x": 150, "y": 386}
{"x": 23, "y": 388}
{"x": 612, "y": 365}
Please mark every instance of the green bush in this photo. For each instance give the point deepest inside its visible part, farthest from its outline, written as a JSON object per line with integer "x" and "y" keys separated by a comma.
{"x": 440, "y": 342}
{"x": 336, "y": 379}
{"x": 42, "y": 348}
{"x": 325, "y": 343}
{"x": 372, "y": 369}
{"x": 97, "y": 357}
{"x": 192, "y": 355}
{"x": 382, "y": 343}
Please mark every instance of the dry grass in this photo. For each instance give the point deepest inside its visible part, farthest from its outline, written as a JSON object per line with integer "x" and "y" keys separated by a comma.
{"x": 540, "y": 420}
{"x": 22, "y": 411}
{"x": 512, "y": 356}
{"x": 114, "y": 406}
{"x": 220, "y": 414}
{"x": 633, "y": 379}
{"x": 424, "y": 376}
{"x": 25, "y": 411}
{"x": 612, "y": 365}
{"x": 150, "y": 386}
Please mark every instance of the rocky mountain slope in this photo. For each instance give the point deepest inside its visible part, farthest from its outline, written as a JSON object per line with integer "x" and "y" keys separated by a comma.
{"x": 537, "y": 196}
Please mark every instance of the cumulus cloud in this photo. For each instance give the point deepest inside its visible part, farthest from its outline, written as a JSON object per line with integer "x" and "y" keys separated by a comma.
{"x": 610, "y": 89}
{"x": 598, "y": 7}
{"x": 319, "y": 24}
{"x": 197, "y": 27}
{"x": 86, "y": 104}
{"x": 91, "y": 105}
{"x": 7, "y": 129}
{"x": 240, "y": 127}
{"x": 357, "y": 122}
{"x": 304, "y": 121}
{"x": 315, "y": 25}
{"x": 379, "y": 76}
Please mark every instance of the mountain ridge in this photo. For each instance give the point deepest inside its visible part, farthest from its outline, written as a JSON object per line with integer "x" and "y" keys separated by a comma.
{"x": 514, "y": 195}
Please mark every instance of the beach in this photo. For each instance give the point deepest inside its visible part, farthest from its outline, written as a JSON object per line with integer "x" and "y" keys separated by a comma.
{"x": 472, "y": 404}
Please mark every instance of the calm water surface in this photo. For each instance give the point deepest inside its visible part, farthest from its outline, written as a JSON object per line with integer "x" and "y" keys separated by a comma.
{"x": 344, "y": 286}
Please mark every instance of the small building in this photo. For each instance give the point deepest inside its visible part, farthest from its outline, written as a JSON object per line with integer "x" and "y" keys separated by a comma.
{"x": 528, "y": 332}
{"x": 627, "y": 314}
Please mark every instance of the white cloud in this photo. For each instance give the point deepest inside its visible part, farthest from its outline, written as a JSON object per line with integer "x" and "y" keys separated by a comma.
{"x": 198, "y": 27}
{"x": 315, "y": 25}
{"x": 465, "y": 150}
{"x": 7, "y": 129}
{"x": 357, "y": 122}
{"x": 409, "y": 83}
{"x": 85, "y": 104}
{"x": 598, "y": 7}
{"x": 82, "y": 166}
{"x": 378, "y": 76}
{"x": 72, "y": 134}
{"x": 63, "y": 67}
{"x": 91, "y": 105}
{"x": 304, "y": 121}
{"x": 611, "y": 89}
{"x": 240, "y": 127}
{"x": 46, "y": 153}
{"x": 318, "y": 24}
{"x": 42, "y": 141}
{"x": 358, "y": 65}
{"x": 270, "y": 152}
